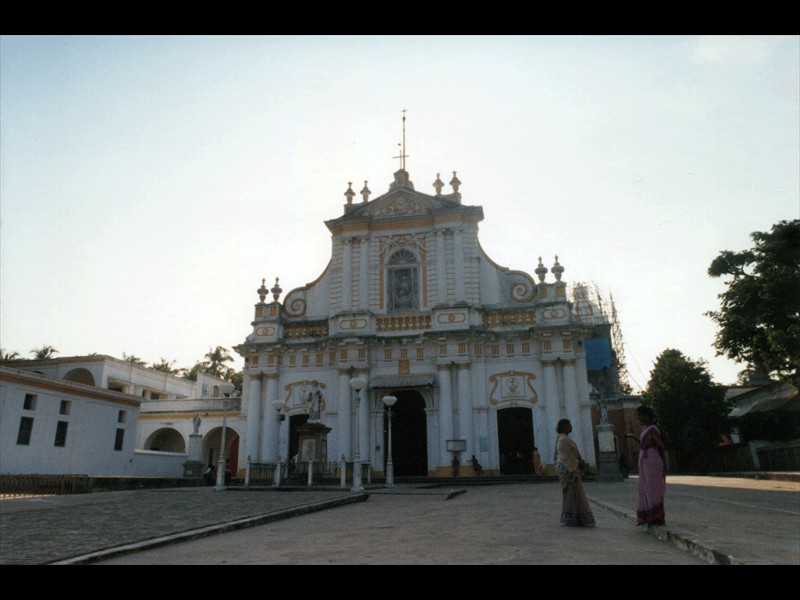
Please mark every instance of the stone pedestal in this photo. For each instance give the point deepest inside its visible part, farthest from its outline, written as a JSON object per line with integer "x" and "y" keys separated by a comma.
{"x": 607, "y": 461}
{"x": 195, "y": 450}
{"x": 313, "y": 443}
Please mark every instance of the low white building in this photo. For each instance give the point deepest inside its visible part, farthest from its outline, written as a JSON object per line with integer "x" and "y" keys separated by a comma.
{"x": 101, "y": 416}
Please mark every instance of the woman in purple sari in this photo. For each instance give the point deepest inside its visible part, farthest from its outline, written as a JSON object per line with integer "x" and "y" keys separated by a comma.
{"x": 652, "y": 470}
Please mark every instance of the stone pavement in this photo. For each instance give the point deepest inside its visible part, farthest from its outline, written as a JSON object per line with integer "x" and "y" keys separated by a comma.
{"x": 710, "y": 520}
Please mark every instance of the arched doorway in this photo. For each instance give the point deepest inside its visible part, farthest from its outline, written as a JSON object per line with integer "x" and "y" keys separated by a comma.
{"x": 166, "y": 440}
{"x": 80, "y": 375}
{"x": 515, "y": 436}
{"x": 295, "y": 423}
{"x": 409, "y": 435}
{"x": 212, "y": 443}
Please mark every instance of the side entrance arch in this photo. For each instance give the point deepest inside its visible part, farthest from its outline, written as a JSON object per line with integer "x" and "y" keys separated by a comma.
{"x": 515, "y": 440}
{"x": 409, "y": 435}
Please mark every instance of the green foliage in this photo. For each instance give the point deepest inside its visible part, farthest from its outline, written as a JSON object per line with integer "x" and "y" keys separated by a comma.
{"x": 133, "y": 359}
{"x": 759, "y": 316}
{"x": 691, "y": 410}
{"x": 7, "y": 356}
{"x": 216, "y": 360}
{"x": 774, "y": 425}
{"x": 44, "y": 352}
{"x": 165, "y": 366}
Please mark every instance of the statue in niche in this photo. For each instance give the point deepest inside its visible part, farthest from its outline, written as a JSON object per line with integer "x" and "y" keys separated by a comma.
{"x": 196, "y": 423}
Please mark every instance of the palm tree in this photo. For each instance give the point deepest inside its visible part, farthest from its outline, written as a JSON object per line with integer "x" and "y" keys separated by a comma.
{"x": 44, "y": 352}
{"x": 216, "y": 361}
{"x": 9, "y": 355}
{"x": 133, "y": 359}
{"x": 165, "y": 366}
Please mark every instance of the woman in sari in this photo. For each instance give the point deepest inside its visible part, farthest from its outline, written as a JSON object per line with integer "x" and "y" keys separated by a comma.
{"x": 575, "y": 509}
{"x": 652, "y": 471}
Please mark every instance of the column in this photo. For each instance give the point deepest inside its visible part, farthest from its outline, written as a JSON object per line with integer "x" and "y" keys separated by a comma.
{"x": 347, "y": 280}
{"x": 586, "y": 409}
{"x": 550, "y": 391}
{"x": 458, "y": 264}
{"x": 344, "y": 417}
{"x": 445, "y": 413}
{"x": 465, "y": 410}
{"x": 363, "y": 425}
{"x": 363, "y": 292}
{"x": 441, "y": 269}
{"x": 270, "y": 448}
{"x": 253, "y": 416}
{"x": 573, "y": 409}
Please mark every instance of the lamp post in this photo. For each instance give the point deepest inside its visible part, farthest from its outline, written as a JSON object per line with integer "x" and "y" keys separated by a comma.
{"x": 358, "y": 384}
{"x": 277, "y": 475}
{"x": 221, "y": 462}
{"x": 389, "y": 402}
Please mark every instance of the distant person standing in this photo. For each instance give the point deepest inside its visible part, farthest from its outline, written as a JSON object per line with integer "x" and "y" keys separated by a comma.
{"x": 652, "y": 470}
{"x": 575, "y": 509}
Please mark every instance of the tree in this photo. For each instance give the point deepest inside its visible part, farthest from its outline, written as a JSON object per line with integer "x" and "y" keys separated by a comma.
{"x": 44, "y": 352}
{"x": 165, "y": 366}
{"x": 691, "y": 410}
{"x": 216, "y": 361}
{"x": 4, "y": 356}
{"x": 759, "y": 316}
{"x": 133, "y": 359}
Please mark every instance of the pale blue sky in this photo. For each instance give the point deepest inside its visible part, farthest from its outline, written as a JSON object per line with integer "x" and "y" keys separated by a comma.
{"x": 147, "y": 184}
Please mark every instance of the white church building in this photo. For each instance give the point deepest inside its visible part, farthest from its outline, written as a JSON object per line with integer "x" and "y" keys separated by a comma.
{"x": 482, "y": 359}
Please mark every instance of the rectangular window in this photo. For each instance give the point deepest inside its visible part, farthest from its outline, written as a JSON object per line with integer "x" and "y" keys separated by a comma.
{"x": 495, "y": 350}
{"x": 118, "y": 440}
{"x": 526, "y": 348}
{"x": 420, "y": 353}
{"x": 546, "y": 346}
{"x": 61, "y": 434}
{"x": 65, "y": 406}
{"x": 509, "y": 349}
{"x": 403, "y": 353}
{"x": 292, "y": 360}
{"x": 319, "y": 359}
{"x": 25, "y": 429}
{"x": 30, "y": 402}
{"x": 362, "y": 354}
{"x": 122, "y": 416}
{"x": 567, "y": 345}
{"x": 305, "y": 359}
{"x": 331, "y": 357}
{"x": 478, "y": 350}
{"x": 462, "y": 348}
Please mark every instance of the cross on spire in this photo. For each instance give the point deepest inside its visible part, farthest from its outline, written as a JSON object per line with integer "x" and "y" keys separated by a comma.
{"x": 403, "y": 156}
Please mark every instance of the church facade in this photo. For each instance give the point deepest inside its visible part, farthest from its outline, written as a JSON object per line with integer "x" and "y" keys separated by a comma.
{"x": 483, "y": 360}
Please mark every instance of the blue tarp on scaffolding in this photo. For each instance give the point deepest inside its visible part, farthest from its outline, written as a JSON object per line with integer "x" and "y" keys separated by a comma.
{"x": 598, "y": 353}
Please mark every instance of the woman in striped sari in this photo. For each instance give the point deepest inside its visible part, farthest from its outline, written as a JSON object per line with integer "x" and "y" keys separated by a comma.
{"x": 575, "y": 509}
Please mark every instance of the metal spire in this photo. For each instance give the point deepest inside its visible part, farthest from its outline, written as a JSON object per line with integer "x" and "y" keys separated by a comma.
{"x": 403, "y": 154}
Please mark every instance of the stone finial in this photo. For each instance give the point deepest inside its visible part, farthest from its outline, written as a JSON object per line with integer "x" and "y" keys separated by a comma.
{"x": 349, "y": 193}
{"x": 276, "y": 290}
{"x": 557, "y": 269}
{"x": 541, "y": 270}
{"x": 455, "y": 182}
{"x": 365, "y": 192}
{"x": 438, "y": 185}
{"x": 262, "y": 291}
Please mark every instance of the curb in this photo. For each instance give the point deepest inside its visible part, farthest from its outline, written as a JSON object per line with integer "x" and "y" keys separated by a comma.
{"x": 210, "y": 530}
{"x": 682, "y": 539}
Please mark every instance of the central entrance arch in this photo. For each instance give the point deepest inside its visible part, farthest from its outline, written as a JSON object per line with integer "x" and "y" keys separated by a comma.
{"x": 515, "y": 435}
{"x": 409, "y": 435}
